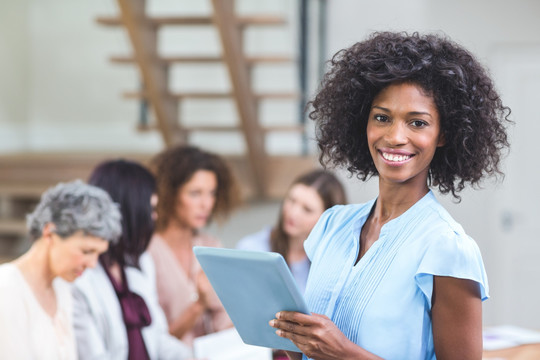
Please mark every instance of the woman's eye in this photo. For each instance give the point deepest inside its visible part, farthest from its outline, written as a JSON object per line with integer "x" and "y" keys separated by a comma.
{"x": 381, "y": 118}
{"x": 418, "y": 123}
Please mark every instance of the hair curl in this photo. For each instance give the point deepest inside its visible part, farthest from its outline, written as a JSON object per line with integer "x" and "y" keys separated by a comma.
{"x": 174, "y": 167}
{"x": 471, "y": 112}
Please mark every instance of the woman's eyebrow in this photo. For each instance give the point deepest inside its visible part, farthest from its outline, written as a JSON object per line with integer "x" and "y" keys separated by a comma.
{"x": 409, "y": 113}
{"x": 380, "y": 108}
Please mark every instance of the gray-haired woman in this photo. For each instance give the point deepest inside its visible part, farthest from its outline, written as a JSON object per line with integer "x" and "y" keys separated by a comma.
{"x": 72, "y": 224}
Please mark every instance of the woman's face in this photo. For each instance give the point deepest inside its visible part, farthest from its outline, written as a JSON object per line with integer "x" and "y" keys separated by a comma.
{"x": 196, "y": 199}
{"x": 70, "y": 256}
{"x": 302, "y": 208}
{"x": 403, "y": 132}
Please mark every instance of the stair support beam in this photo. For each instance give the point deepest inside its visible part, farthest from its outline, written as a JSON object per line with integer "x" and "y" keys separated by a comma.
{"x": 245, "y": 101}
{"x": 143, "y": 36}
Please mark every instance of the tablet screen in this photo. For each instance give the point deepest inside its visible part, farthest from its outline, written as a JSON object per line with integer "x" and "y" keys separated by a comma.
{"x": 252, "y": 286}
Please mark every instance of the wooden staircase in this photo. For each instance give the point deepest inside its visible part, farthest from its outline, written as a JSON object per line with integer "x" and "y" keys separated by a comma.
{"x": 154, "y": 72}
{"x": 24, "y": 176}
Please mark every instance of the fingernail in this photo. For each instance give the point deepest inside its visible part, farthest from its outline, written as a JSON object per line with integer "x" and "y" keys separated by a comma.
{"x": 272, "y": 323}
{"x": 278, "y": 315}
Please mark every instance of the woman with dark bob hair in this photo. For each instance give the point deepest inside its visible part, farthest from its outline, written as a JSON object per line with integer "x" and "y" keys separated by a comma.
{"x": 397, "y": 277}
{"x": 117, "y": 313}
{"x": 193, "y": 186}
{"x": 70, "y": 227}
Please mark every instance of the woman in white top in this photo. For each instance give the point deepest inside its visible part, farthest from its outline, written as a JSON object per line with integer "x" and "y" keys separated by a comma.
{"x": 307, "y": 198}
{"x": 72, "y": 224}
{"x": 117, "y": 313}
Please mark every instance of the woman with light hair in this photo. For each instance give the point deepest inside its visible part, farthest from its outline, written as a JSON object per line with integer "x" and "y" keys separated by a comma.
{"x": 70, "y": 227}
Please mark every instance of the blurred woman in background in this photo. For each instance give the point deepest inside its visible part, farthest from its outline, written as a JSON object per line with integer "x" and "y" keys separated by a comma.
{"x": 117, "y": 314}
{"x": 307, "y": 198}
{"x": 72, "y": 224}
{"x": 194, "y": 186}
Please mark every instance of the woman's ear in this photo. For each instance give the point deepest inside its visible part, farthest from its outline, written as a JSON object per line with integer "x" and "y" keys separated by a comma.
{"x": 48, "y": 230}
{"x": 442, "y": 140}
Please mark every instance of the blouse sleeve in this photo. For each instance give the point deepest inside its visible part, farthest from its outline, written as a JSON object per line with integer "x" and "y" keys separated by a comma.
{"x": 455, "y": 255}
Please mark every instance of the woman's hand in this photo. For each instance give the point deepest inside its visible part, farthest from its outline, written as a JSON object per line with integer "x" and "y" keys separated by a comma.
{"x": 317, "y": 336}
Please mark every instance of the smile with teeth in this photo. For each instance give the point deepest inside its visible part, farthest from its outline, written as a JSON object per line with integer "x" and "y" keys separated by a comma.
{"x": 396, "y": 157}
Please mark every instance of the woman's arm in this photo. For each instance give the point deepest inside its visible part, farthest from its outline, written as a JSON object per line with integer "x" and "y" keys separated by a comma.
{"x": 186, "y": 321}
{"x": 317, "y": 337}
{"x": 457, "y": 318}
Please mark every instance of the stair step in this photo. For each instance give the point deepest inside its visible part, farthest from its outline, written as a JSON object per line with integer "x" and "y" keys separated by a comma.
{"x": 215, "y": 95}
{"x": 212, "y": 128}
{"x": 251, "y": 60}
{"x": 13, "y": 226}
{"x": 197, "y": 20}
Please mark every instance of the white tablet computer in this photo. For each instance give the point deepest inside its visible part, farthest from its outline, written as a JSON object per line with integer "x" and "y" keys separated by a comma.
{"x": 253, "y": 286}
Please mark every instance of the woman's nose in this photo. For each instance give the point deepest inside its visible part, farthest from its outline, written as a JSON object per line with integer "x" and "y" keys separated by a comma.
{"x": 396, "y": 134}
{"x": 208, "y": 201}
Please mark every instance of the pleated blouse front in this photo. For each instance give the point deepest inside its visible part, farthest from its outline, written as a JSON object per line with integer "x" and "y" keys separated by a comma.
{"x": 383, "y": 303}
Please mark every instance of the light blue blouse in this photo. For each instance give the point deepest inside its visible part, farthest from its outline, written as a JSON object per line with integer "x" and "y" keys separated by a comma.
{"x": 383, "y": 303}
{"x": 260, "y": 241}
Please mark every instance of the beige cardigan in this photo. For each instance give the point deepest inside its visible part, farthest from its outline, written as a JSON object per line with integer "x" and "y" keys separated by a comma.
{"x": 176, "y": 289}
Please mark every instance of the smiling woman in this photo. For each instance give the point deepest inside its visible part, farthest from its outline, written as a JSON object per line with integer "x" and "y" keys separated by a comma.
{"x": 70, "y": 227}
{"x": 403, "y": 132}
{"x": 398, "y": 277}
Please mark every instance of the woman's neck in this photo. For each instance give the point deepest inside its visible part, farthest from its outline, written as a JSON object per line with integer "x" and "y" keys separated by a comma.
{"x": 177, "y": 235}
{"x": 36, "y": 268}
{"x": 296, "y": 249}
{"x": 116, "y": 272}
{"x": 395, "y": 199}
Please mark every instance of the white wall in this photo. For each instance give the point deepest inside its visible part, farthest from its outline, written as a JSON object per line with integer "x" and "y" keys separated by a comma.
{"x": 14, "y": 76}
{"x": 506, "y": 37}
{"x": 75, "y": 99}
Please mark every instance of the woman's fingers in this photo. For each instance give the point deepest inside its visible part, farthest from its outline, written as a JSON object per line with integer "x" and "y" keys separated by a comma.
{"x": 289, "y": 327}
{"x": 299, "y": 318}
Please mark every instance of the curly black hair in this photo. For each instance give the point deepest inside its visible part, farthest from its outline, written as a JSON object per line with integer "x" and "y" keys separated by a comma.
{"x": 473, "y": 118}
